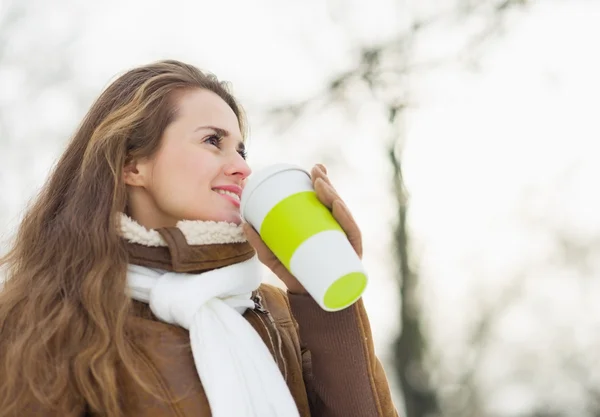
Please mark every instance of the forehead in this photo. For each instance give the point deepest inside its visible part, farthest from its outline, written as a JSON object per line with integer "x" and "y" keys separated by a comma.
{"x": 203, "y": 107}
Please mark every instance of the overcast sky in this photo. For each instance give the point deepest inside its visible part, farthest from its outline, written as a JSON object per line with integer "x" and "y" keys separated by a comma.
{"x": 485, "y": 149}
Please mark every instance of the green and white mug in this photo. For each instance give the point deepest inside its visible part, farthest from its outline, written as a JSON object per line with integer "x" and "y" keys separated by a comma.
{"x": 282, "y": 206}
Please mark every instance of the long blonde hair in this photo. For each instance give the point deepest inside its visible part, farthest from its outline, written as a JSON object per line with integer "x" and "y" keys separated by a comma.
{"x": 63, "y": 308}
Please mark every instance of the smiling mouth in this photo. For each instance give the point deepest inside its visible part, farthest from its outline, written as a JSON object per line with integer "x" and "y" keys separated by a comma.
{"x": 234, "y": 196}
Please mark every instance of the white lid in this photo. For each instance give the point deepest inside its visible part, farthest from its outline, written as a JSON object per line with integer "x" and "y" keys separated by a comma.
{"x": 261, "y": 176}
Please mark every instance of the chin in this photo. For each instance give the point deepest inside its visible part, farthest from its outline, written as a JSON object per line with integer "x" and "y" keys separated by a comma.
{"x": 227, "y": 216}
{"x": 234, "y": 218}
{"x": 237, "y": 220}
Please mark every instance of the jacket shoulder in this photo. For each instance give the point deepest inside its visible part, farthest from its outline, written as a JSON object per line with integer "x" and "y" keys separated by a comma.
{"x": 275, "y": 300}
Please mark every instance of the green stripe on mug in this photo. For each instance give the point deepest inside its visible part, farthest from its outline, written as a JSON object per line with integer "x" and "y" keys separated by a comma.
{"x": 301, "y": 216}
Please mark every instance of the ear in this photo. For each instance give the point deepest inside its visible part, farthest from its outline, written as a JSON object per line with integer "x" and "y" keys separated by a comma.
{"x": 133, "y": 175}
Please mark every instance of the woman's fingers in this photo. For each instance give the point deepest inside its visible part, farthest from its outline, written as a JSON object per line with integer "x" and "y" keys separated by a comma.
{"x": 342, "y": 215}
{"x": 327, "y": 195}
{"x": 319, "y": 171}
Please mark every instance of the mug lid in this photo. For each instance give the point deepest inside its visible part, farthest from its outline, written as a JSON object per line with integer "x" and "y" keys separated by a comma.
{"x": 261, "y": 176}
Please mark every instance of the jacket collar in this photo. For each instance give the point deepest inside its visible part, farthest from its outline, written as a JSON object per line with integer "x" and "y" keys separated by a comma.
{"x": 190, "y": 246}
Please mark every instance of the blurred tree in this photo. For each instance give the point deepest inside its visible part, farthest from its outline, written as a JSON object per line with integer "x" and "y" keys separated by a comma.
{"x": 384, "y": 69}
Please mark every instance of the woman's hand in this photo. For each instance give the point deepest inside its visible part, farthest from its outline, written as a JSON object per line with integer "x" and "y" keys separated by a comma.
{"x": 330, "y": 198}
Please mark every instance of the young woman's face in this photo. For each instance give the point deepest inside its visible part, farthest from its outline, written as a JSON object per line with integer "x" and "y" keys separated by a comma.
{"x": 199, "y": 171}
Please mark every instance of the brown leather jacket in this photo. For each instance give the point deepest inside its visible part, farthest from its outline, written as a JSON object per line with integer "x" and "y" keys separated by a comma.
{"x": 327, "y": 359}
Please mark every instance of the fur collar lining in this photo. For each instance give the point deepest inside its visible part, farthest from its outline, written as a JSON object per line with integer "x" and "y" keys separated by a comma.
{"x": 196, "y": 232}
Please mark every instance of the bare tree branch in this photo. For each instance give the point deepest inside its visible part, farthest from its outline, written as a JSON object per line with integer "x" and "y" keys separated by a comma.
{"x": 383, "y": 67}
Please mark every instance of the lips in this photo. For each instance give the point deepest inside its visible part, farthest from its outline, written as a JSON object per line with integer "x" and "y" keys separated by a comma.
{"x": 234, "y": 189}
{"x": 230, "y": 192}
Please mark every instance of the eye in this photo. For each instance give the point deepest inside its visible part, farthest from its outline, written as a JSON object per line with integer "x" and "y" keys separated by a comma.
{"x": 214, "y": 140}
{"x": 243, "y": 153}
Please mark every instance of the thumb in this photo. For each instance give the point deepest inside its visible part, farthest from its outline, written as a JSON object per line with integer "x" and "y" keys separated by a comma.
{"x": 263, "y": 252}
{"x": 251, "y": 234}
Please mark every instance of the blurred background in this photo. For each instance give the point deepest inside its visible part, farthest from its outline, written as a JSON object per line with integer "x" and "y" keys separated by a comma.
{"x": 463, "y": 134}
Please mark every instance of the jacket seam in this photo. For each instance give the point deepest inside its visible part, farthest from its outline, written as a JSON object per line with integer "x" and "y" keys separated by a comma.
{"x": 233, "y": 257}
{"x": 279, "y": 350}
{"x": 302, "y": 352}
{"x": 161, "y": 382}
{"x": 294, "y": 324}
{"x": 370, "y": 370}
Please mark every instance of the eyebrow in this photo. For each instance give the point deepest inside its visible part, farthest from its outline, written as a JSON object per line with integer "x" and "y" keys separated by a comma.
{"x": 221, "y": 132}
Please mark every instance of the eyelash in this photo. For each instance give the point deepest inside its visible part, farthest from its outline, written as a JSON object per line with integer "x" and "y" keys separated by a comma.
{"x": 216, "y": 140}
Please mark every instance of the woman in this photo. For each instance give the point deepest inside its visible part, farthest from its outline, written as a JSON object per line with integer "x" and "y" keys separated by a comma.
{"x": 131, "y": 288}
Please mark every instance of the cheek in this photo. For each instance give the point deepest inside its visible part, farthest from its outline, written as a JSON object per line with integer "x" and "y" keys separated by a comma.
{"x": 181, "y": 173}
{"x": 167, "y": 173}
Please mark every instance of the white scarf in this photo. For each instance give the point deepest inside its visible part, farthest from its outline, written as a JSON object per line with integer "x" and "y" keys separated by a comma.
{"x": 237, "y": 371}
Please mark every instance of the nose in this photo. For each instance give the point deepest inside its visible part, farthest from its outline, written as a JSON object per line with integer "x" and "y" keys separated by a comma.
{"x": 237, "y": 166}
